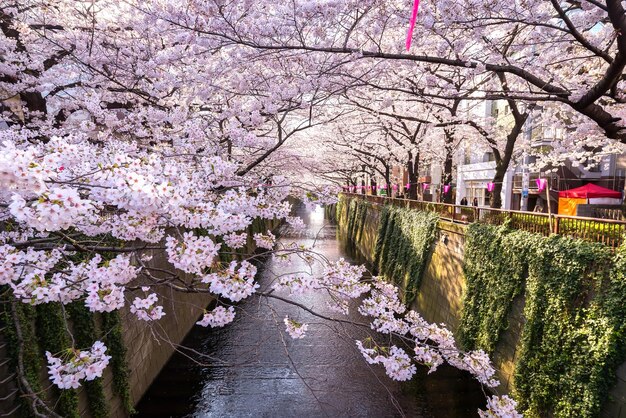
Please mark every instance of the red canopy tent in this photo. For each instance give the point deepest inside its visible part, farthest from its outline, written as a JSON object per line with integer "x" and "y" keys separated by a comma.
{"x": 589, "y": 193}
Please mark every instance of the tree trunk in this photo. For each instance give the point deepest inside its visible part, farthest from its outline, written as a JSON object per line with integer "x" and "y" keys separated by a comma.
{"x": 498, "y": 179}
{"x": 388, "y": 180}
{"x": 447, "y": 176}
{"x": 413, "y": 169}
{"x": 503, "y": 162}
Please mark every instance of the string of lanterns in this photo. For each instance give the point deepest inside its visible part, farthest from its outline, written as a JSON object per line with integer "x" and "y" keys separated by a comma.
{"x": 491, "y": 186}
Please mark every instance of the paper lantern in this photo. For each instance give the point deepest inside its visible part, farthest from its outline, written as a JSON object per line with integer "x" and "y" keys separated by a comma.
{"x": 446, "y": 188}
{"x": 408, "y": 186}
{"x": 425, "y": 186}
{"x": 395, "y": 187}
{"x": 491, "y": 187}
{"x": 541, "y": 184}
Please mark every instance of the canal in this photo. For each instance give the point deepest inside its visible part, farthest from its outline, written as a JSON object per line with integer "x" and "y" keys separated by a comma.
{"x": 252, "y": 368}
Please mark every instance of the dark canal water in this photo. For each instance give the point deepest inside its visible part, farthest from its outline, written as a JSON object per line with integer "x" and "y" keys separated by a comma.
{"x": 252, "y": 368}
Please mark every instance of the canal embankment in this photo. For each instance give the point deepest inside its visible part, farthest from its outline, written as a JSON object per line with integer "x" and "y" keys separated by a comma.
{"x": 550, "y": 311}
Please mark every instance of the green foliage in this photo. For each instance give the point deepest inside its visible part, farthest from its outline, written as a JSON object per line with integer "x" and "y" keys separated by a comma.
{"x": 357, "y": 213}
{"x": 31, "y": 355}
{"x": 403, "y": 247}
{"x": 573, "y": 338}
{"x": 495, "y": 266}
{"x": 112, "y": 329}
{"x": 84, "y": 331}
{"x": 54, "y": 337}
{"x": 575, "y": 304}
{"x": 331, "y": 211}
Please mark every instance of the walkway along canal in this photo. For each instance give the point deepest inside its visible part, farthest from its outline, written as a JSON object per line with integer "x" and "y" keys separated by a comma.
{"x": 252, "y": 368}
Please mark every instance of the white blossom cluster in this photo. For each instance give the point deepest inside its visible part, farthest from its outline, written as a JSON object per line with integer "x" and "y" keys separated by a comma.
{"x": 193, "y": 254}
{"x": 235, "y": 282}
{"x": 68, "y": 370}
{"x": 295, "y": 329}
{"x": 218, "y": 317}
{"x": 267, "y": 240}
{"x": 146, "y": 308}
{"x": 500, "y": 407}
{"x": 434, "y": 344}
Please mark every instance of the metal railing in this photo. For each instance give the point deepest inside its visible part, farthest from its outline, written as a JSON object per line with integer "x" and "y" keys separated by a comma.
{"x": 606, "y": 231}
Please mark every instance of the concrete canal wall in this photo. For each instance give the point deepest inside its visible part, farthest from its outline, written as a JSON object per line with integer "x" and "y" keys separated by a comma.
{"x": 441, "y": 293}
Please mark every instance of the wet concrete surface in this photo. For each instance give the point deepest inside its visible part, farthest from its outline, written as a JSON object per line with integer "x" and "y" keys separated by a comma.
{"x": 252, "y": 368}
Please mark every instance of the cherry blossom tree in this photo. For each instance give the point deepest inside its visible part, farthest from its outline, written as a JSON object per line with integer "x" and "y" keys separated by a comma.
{"x": 170, "y": 126}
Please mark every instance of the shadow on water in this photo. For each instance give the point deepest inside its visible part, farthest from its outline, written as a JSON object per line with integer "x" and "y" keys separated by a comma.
{"x": 251, "y": 368}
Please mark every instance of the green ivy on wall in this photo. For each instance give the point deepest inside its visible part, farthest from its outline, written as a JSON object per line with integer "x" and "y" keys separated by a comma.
{"x": 53, "y": 337}
{"x": 331, "y": 211}
{"x": 495, "y": 267}
{"x": 573, "y": 338}
{"x": 575, "y": 305}
{"x": 357, "y": 213}
{"x": 403, "y": 247}
{"x": 31, "y": 355}
{"x": 84, "y": 332}
{"x": 113, "y": 339}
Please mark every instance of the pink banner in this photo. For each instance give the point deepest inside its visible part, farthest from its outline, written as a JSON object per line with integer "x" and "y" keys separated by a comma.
{"x": 409, "y": 35}
{"x": 541, "y": 184}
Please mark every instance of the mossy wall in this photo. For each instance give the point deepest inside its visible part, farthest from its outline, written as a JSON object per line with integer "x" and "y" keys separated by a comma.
{"x": 550, "y": 311}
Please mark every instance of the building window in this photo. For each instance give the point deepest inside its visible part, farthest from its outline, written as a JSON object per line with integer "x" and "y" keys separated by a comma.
{"x": 488, "y": 156}
{"x": 478, "y": 190}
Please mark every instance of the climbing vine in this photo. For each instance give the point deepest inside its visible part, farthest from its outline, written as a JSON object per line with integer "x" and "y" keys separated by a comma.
{"x": 403, "y": 247}
{"x": 573, "y": 339}
{"x": 112, "y": 330}
{"x": 84, "y": 332}
{"x": 495, "y": 267}
{"x": 31, "y": 356}
{"x": 575, "y": 304}
{"x": 357, "y": 212}
{"x": 331, "y": 212}
{"x": 54, "y": 337}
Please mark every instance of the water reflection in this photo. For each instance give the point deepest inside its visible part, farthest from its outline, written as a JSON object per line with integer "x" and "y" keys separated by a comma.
{"x": 255, "y": 370}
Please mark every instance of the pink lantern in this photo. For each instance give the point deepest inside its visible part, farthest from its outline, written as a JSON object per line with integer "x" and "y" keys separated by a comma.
{"x": 395, "y": 187}
{"x": 408, "y": 186}
{"x": 425, "y": 186}
{"x": 446, "y": 188}
{"x": 491, "y": 187}
{"x": 409, "y": 35}
{"x": 541, "y": 184}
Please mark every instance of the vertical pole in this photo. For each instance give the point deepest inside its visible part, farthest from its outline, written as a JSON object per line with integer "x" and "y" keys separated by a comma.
{"x": 549, "y": 208}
